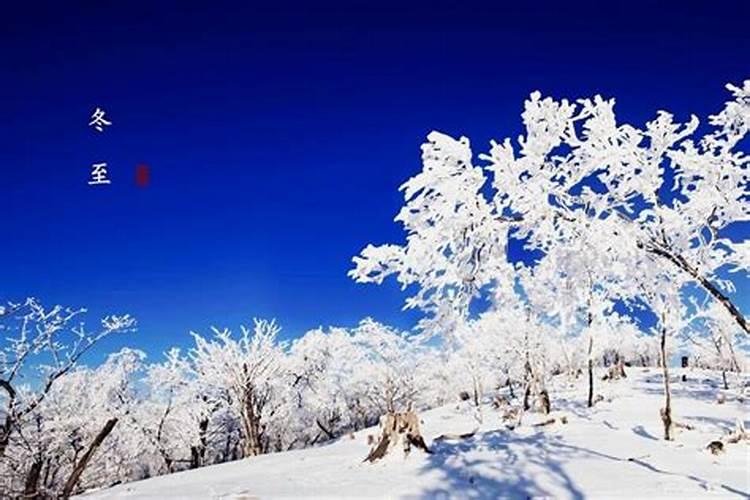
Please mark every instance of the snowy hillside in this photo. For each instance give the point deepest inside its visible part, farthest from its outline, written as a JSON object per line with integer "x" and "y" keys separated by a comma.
{"x": 612, "y": 451}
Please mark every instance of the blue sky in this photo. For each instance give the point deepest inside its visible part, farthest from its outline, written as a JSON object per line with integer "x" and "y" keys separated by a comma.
{"x": 277, "y": 137}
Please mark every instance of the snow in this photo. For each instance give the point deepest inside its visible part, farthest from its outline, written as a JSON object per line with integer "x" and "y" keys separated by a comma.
{"x": 614, "y": 450}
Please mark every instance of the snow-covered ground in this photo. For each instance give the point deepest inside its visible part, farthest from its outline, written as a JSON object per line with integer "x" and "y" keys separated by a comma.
{"x": 612, "y": 451}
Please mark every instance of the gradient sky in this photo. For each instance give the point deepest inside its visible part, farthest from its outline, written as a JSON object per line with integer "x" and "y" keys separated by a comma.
{"x": 277, "y": 137}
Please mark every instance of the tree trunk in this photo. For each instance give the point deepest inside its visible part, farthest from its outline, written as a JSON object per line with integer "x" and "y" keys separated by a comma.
{"x": 526, "y": 394}
{"x": 528, "y": 372}
{"x": 591, "y": 373}
{"x": 528, "y": 376}
{"x": 621, "y": 366}
{"x": 544, "y": 401}
{"x": 666, "y": 412}
{"x": 7, "y": 427}
{"x": 5, "y": 436}
{"x": 31, "y": 486}
{"x": 735, "y": 364}
{"x": 324, "y": 429}
{"x": 251, "y": 445}
{"x": 589, "y": 322}
{"x": 198, "y": 453}
{"x": 80, "y": 466}
{"x": 228, "y": 448}
{"x": 195, "y": 460}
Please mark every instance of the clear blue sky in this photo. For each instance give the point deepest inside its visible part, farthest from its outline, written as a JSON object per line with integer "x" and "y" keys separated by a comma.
{"x": 277, "y": 137}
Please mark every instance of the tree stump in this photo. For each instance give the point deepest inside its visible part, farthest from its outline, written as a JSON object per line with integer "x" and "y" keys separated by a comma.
{"x": 739, "y": 433}
{"x": 715, "y": 447}
{"x": 398, "y": 427}
{"x": 718, "y": 446}
{"x": 616, "y": 371}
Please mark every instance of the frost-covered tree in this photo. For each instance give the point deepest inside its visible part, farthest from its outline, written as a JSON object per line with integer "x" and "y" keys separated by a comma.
{"x": 41, "y": 345}
{"x": 714, "y": 339}
{"x": 714, "y": 191}
{"x": 180, "y": 417}
{"x": 247, "y": 369}
{"x": 315, "y": 404}
{"x": 387, "y": 361}
{"x": 575, "y": 171}
{"x": 455, "y": 243}
{"x": 323, "y": 400}
{"x": 577, "y": 286}
{"x": 79, "y": 435}
{"x": 577, "y": 165}
{"x": 661, "y": 294}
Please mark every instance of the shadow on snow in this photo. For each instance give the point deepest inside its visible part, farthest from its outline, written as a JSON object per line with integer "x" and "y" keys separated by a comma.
{"x": 521, "y": 467}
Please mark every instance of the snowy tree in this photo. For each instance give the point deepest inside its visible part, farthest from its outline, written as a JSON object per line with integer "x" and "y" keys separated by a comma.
{"x": 386, "y": 366}
{"x": 711, "y": 175}
{"x": 248, "y": 369}
{"x": 577, "y": 285}
{"x": 576, "y": 165}
{"x": 62, "y": 449}
{"x": 322, "y": 366}
{"x": 662, "y": 295}
{"x": 712, "y": 335}
{"x": 41, "y": 344}
{"x": 455, "y": 244}
{"x": 179, "y": 416}
{"x": 575, "y": 173}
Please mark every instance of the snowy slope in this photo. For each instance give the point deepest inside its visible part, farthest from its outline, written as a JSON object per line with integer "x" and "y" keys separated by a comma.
{"x": 587, "y": 457}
